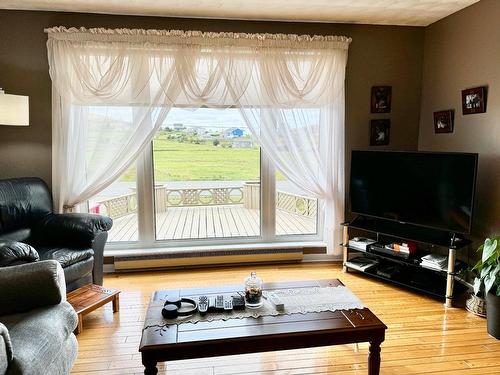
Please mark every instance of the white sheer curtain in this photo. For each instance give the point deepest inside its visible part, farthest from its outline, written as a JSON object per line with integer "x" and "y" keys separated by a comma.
{"x": 289, "y": 89}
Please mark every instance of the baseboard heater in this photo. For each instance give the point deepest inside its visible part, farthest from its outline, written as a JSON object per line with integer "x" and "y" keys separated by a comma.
{"x": 188, "y": 258}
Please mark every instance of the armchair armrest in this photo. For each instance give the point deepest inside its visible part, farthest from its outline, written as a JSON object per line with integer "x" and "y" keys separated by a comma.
{"x": 12, "y": 253}
{"x": 6, "y": 354}
{"x": 28, "y": 286}
{"x": 75, "y": 229}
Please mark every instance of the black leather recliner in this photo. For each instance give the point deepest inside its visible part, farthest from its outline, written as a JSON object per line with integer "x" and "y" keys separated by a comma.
{"x": 31, "y": 231}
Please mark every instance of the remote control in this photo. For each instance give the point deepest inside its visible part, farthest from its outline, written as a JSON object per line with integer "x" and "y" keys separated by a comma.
{"x": 238, "y": 303}
{"x": 276, "y": 301}
{"x": 219, "y": 302}
{"x": 228, "y": 304}
{"x": 203, "y": 305}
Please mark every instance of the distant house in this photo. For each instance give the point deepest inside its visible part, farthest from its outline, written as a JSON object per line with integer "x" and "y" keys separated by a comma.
{"x": 206, "y": 136}
{"x": 179, "y": 126}
{"x": 242, "y": 144}
{"x": 233, "y": 133}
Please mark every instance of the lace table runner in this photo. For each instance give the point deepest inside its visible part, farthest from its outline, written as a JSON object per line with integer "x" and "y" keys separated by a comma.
{"x": 296, "y": 301}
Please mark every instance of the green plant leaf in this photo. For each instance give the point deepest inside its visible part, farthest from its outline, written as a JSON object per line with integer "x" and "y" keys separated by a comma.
{"x": 485, "y": 271}
{"x": 478, "y": 266}
{"x": 489, "y": 249}
{"x": 489, "y": 280}
{"x": 498, "y": 292}
{"x": 477, "y": 286}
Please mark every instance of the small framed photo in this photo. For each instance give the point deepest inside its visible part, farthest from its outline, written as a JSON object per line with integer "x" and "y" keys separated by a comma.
{"x": 443, "y": 121}
{"x": 380, "y": 132}
{"x": 381, "y": 99}
{"x": 474, "y": 100}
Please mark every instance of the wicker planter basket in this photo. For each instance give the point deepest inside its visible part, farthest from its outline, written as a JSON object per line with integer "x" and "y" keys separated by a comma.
{"x": 476, "y": 305}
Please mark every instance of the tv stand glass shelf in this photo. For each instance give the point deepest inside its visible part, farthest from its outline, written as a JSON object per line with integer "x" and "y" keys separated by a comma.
{"x": 438, "y": 283}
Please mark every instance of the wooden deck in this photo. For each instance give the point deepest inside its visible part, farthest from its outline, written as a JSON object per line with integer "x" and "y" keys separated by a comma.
{"x": 210, "y": 222}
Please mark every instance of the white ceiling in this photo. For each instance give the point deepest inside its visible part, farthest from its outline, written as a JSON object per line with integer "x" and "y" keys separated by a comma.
{"x": 379, "y": 12}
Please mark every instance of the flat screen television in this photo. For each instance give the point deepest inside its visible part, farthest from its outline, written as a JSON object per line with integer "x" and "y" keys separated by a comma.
{"x": 434, "y": 190}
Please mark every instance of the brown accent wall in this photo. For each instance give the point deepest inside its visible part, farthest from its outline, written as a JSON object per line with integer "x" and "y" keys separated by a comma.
{"x": 379, "y": 55}
{"x": 463, "y": 51}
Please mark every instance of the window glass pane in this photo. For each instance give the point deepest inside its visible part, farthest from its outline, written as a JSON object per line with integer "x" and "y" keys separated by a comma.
{"x": 296, "y": 211}
{"x": 119, "y": 201}
{"x": 207, "y": 176}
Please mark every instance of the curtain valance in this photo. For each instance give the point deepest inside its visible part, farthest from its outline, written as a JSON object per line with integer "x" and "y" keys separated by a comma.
{"x": 94, "y": 69}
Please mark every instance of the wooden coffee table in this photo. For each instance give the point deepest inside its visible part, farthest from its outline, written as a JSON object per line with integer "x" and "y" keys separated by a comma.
{"x": 89, "y": 298}
{"x": 267, "y": 333}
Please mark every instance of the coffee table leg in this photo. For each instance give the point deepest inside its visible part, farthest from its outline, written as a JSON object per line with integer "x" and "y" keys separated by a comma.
{"x": 79, "y": 327}
{"x": 149, "y": 366}
{"x": 374, "y": 358}
{"x": 116, "y": 303}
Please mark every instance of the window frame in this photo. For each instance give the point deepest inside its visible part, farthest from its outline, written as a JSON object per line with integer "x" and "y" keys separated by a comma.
{"x": 147, "y": 220}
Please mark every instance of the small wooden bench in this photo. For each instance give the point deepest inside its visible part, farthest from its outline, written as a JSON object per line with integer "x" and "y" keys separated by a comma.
{"x": 89, "y": 298}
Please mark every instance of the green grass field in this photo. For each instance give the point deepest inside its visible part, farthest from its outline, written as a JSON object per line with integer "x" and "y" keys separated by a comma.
{"x": 179, "y": 161}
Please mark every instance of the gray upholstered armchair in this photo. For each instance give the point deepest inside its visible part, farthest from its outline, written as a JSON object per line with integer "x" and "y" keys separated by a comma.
{"x": 36, "y": 322}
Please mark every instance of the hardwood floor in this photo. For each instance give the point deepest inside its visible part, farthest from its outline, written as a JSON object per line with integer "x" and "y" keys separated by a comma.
{"x": 422, "y": 337}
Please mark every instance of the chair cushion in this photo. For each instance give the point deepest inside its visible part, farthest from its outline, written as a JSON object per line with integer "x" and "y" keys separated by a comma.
{"x": 64, "y": 255}
{"x": 39, "y": 336}
{"x": 23, "y": 202}
{"x": 78, "y": 271}
{"x": 19, "y": 235}
{"x": 13, "y": 253}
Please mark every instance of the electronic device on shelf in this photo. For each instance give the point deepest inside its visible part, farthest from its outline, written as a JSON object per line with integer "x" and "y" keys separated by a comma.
{"x": 426, "y": 189}
{"x": 361, "y": 263}
{"x": 380, "y": 248}
{"x": 361, "y": 243}
{"x": 389, "y": 271}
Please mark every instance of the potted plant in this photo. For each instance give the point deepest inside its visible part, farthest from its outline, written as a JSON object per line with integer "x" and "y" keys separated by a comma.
{"x": 487, "y": 283}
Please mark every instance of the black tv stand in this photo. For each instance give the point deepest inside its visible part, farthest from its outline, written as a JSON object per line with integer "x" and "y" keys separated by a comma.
{"x": 421, "y": 235}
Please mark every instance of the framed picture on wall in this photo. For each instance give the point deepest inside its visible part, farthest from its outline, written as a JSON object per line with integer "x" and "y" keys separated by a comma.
{"x": 474, "y": 100}
{"x": 443, "y": 121}
{"x": 380, "y": 132}
{"x": 381, "y": 99}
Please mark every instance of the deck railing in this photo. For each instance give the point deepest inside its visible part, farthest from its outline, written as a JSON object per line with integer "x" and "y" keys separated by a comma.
{"x": 119, "y": 206}
{"x": 248, "y": 195}
{"x": 296, "y": 204}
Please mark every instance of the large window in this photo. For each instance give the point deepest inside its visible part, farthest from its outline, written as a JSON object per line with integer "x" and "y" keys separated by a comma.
{"x": 204, "y": 179}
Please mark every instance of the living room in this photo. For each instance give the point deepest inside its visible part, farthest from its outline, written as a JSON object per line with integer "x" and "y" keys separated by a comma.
{"x": 182, "y": 146}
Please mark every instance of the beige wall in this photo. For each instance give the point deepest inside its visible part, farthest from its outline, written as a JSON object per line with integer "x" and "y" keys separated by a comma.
{"x": 378, "y": 55}
{"x": 463, "y": 51}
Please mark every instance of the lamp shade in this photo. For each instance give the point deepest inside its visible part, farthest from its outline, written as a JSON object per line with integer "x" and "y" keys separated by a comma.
{"x": 14, "y": 109}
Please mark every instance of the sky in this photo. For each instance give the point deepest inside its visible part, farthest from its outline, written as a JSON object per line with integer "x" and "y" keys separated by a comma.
{"x": 201, "y": 117}
{"x": 217, "y": 118}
